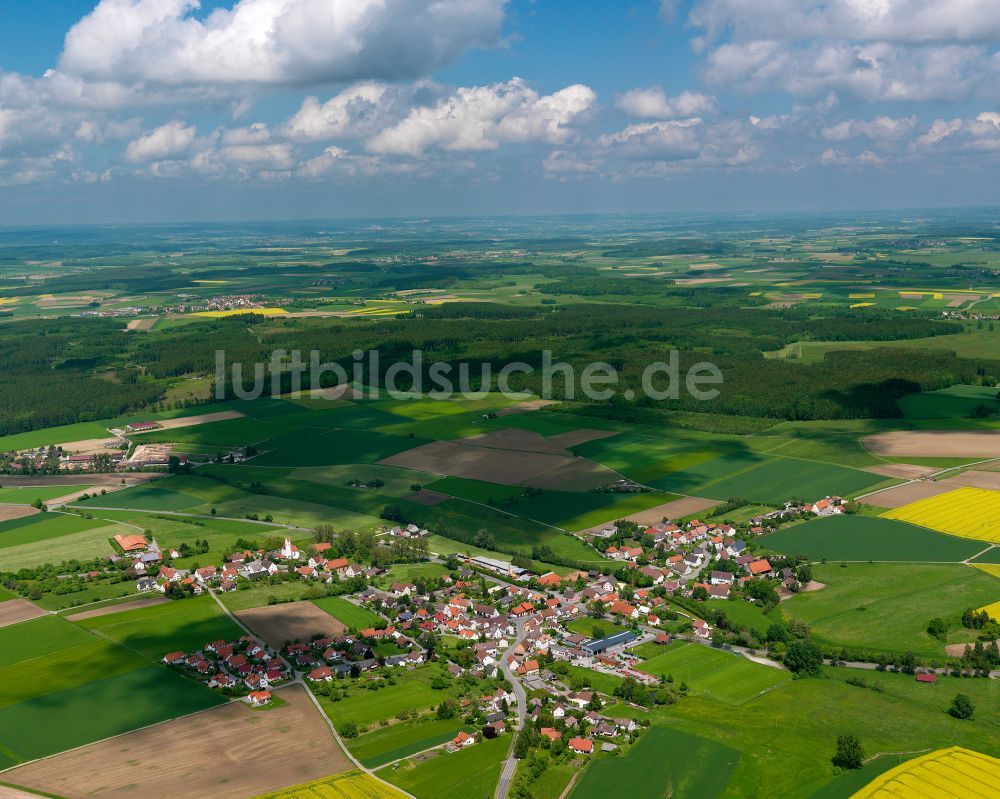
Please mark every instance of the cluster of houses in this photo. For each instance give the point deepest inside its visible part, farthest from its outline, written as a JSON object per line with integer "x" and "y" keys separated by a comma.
{"x": 323, "y": 659}
{"x": 244, "y": 666}
{"x": 248, "y": 565}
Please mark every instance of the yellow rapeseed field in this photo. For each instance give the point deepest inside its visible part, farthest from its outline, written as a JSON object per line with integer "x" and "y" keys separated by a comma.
{"x": 351, "y": 785}
{"x": 965, "y": 512}
{"x": 953, "y": 773}
{"x": 240, "y": 312}
{"x": 861, "y": 304}
{"x": 861, "y": 296}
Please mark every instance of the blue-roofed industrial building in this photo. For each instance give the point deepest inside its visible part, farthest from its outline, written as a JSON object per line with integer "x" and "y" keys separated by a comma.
{"x": 598, "y": 645}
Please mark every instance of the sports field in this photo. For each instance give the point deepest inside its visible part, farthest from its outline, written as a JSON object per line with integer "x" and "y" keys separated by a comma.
{"x": 352, "y": 785}
{"x": 727, "y": 677}
{"x": 954, "y": 773}
{"x": 866, "y": 538}
{"x": 966, "y": 512}
{"x": 696, "y": 768}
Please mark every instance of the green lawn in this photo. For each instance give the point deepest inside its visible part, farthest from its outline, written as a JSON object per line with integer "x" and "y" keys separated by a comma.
{"x": 154, "y": 631}
{"x": 471, "y": 773}
{"x": 589, "y": 627}
{"x": 696, "y": 768}
{"x": 87, "y": 545}
{"x": 868, "y": 538}
{"x": 727, "y": 677}
{"x": 385, "y": 744}
{"x": 742, "y": 613}
{"x": 355, "y": 617}
{"x": 886, "y": 607}
{"x": 954, "y": 402}
{"x": 260, "y": 595}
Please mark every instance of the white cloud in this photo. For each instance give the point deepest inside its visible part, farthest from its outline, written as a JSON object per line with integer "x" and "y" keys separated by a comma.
{"x": 166, "y": 141}
{"x": 653, "y": 103}
{"x": 664, "y": 140}
{"x": 483, "y": 117}
{"x": 275, "y": 41}
{"x": 905, "y": 21}
{"x": 881, "y": 128}
{"x": 356, "y": 109}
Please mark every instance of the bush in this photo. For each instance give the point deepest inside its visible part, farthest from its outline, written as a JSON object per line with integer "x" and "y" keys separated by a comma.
{"x": 804, "y": 658}
{"x": 961, "y": 707}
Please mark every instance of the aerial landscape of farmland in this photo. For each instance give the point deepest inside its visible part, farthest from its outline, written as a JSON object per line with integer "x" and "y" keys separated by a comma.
{"x": 499, "y": 399}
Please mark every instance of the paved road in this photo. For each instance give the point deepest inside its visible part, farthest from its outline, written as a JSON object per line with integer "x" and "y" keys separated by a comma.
{"x": 503, "y": 785}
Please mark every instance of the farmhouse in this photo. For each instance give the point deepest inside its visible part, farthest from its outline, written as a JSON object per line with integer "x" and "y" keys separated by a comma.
{"x": 142, "y": 427}
{"x": 581, "y": 746}
{"x": 131, "y": 543}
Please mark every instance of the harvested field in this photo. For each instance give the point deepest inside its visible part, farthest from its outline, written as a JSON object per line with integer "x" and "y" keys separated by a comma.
{"x": 15, "y": 610}
{"x": 10, "y": 512}
{"x": 105, "y": 611}
{"x": 6, "y": 792}
{"x": 425, "y": 497}
{"x": 191, "y": 421}
{"x": 957, "y": 650}
{"x": 975, "y": 479}
{"x": 905, "y": 471}
{"x": 898, "y": 496}
{"x": 141, "y": 324}
{"x": 525, "y": 407}
{"x": 936, "y": 443}
{"x": 581, "y": 436}
{"x": 92, "y": 446}
{"x": 670, "y": 510}
{"x": 516, "y": 439}
{"x": 290, "y": 621}
{"x": 98, "y": 480}
{"x": 229, "y": 752}
{"x": 503, "y": 466}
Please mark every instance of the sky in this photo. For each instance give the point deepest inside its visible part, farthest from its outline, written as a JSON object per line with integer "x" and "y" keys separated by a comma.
{"x": 175, "y": 110}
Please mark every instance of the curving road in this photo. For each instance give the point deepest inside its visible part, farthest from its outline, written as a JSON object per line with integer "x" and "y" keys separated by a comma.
{"x": 503, "y": 785}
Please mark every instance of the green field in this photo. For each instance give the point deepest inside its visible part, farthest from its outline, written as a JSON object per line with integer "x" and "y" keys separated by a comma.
{"x": 412, "y": 692}
{"x": 696, "y": 768}
{"x": 43, "y": 527}
{"x": 471, "y": 773}
{"x": 385, "y": 744}
{"x": 83, "y": 546}
{"x": 865, "y": 538}
{"x": 355, "y": 617}
{"x": 185, "y": 625}
{"x": 51, "y": 723}
{"x": 37, "y": 638}
{"x": 953, "y": 402}
{"x": 26, "y": 495}
{"x": 724, "y": 676}
{"x": 886, "y": 607}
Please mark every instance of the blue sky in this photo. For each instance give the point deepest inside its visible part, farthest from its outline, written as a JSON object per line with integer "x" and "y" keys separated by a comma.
{"x": 162, "y": 110}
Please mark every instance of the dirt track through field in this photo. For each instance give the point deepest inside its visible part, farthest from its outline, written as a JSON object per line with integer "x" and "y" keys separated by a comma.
{"x": 191, "y": 421}
{"x": 504, "y": 466}
{"x": 936, "y": 443}
{"x": 99, "y": 480}
{"x": 17, "y": 610}
{"x": 230, "y": 752}
{"x": 290, "y": 621}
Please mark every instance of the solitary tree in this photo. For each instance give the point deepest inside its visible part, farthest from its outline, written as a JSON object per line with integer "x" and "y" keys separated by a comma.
{"x": 849, "y": 752}
{"x": 961, "y": 707}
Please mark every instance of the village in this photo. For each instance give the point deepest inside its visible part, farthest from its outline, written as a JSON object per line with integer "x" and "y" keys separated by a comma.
{"x": 531, "y": 639}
